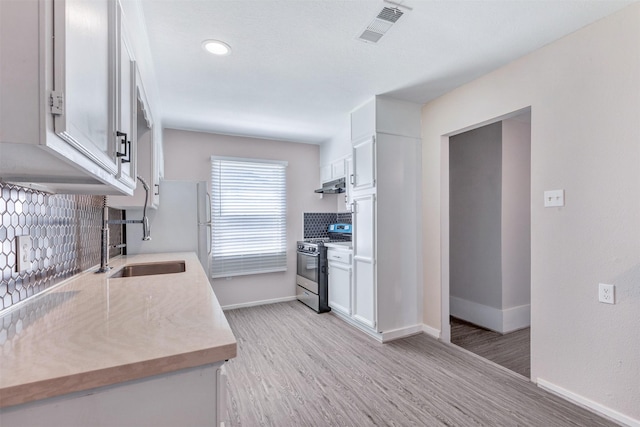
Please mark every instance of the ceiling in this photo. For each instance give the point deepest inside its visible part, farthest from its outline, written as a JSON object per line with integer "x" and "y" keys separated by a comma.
{"x": 297, "y": 69}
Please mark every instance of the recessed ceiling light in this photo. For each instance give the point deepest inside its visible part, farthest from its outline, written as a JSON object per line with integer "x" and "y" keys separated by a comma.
{"x": 216, "y": 47}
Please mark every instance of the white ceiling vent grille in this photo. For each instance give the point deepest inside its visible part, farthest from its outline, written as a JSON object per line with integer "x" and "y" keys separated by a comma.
{"x": 380, "y": 24}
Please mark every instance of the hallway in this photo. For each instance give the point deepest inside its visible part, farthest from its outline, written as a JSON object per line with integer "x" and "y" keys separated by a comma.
{"x": 511, "y": 350}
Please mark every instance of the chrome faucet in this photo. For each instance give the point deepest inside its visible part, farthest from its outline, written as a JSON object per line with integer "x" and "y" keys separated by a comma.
{"x": 146, "y": 232}
{"x": 104, "y": 252}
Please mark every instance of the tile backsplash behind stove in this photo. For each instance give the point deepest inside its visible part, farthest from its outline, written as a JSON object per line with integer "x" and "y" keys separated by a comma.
{"x": 317, "y": 224}
{"x": 65, "y": 233}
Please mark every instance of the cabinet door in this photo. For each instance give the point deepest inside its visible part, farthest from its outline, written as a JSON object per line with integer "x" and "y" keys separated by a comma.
{"x": 348, "y": 166}
{"x": 364, "y": 164}
{"x": 126, "y": 105}
{"x": 364, "y": 262}
{"x": 325, "y": 173}
{"x": 338, "y": 169}
{"x": 340, "y": 287}
{"x": 147, "y": 151}
{"x": 84, "y": 78}
{"x": 146, "y": 158}
{"x": 221, "y": 394}
{"x": 158, "y": 165}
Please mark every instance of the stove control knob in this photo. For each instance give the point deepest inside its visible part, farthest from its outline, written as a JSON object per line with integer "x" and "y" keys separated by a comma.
{"x": 313, "y": 249}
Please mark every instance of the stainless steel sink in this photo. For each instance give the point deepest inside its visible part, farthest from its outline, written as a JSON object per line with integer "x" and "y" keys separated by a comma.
{"x": 150, "y": 269}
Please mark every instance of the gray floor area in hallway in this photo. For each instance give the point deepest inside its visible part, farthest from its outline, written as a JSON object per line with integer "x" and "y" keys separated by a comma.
{"x": 510, "y": 350}
{"x": 299, "y": 368}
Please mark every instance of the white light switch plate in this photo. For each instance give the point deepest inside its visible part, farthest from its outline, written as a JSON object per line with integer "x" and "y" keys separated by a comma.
{"x": 553, "y": 198}
{"x": 23, "y": 253}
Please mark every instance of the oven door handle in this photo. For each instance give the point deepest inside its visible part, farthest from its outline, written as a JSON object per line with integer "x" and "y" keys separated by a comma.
{"x": 308, "y": 254}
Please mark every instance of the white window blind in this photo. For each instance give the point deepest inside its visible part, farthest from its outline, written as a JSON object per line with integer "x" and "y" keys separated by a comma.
{"x": 248, "y": 208}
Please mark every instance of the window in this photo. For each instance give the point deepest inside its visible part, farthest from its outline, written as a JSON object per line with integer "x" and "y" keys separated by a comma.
{"x": 248, "y": 208}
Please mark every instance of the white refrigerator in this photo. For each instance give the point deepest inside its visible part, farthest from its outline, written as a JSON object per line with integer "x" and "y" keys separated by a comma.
{"x": 182, "y": 222}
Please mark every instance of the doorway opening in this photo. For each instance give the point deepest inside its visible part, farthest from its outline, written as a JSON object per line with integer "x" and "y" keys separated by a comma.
{"x": 488, "y": 285}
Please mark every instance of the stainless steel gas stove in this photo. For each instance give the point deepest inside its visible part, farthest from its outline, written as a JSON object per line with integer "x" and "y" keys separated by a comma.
{"x": 311, "y": 277}
{"x": 312, "y": 271}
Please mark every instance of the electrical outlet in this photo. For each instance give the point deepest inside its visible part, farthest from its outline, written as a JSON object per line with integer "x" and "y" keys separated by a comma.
{"x": 23, "y": 253}
{"x": 606, "y": 293}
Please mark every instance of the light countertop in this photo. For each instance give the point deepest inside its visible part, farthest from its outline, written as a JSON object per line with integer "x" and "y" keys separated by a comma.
{"x": 92, "y": 331}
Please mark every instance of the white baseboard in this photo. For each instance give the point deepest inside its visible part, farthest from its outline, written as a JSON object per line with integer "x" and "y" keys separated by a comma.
{"x": 383, "y": 337}
{"x": 515, "y": 318}
{"x": 431, "y": 331}
{"x": 375, "y": 335}
{"x": 401, "y": 333}
{"x": 255, "y": 303}
{"x": 498, "y": 320}
{"x": 589, "y": 404}
{"x": 478, "y": 314}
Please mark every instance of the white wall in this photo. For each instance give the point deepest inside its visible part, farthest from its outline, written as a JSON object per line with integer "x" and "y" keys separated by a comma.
{"x": 336, "y": 148}
{"x": 516, "y": 219}
{"x": 187, "y": 157}
{"x": 489, "y": 225}
{"x": 584, "y": 94}
{"x": 475, "y": 174}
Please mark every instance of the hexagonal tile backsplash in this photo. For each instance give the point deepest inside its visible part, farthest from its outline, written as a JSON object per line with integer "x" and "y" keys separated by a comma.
{"x": 64, "y": 230}
{"x": 316, "y": 224}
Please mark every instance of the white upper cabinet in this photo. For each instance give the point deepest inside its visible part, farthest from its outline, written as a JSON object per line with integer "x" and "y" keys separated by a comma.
{"x": 126, "y": 123}
{"x": 364, "y": 164}
{"x": 334, "y": 170}
{"x": 346, "y": 206}
{"x": 325, "y": 173}
{"x": 338, "y": 169}
{"x": 67, "y": 92}
{"x": 363, "y": 121}
{"x": 147, "y": 154}
{"x": 84, "y": 78}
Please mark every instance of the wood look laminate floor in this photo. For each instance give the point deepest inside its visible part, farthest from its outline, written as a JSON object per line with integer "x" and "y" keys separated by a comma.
{"x": 299, "y": 368}
{"x": 510, "y": 350}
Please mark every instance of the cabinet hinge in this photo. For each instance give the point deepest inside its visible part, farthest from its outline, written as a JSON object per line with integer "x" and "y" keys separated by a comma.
{"x": 56, "y": 102}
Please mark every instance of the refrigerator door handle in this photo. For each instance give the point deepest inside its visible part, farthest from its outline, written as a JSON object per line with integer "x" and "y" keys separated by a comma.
{"x": 209, "y": 221}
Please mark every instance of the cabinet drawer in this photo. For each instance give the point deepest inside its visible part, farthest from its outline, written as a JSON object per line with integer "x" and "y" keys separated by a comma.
{"x": 339, "y": 256}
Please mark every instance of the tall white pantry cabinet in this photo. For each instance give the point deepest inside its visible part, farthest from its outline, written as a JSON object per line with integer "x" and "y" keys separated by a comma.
{"x": 386, "y": 206}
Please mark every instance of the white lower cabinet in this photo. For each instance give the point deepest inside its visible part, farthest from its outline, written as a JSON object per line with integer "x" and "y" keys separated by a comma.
{"x": 190, "y": 397}
{"x": 221, "y": 397}
{"x": 340, "y": 280}
{"x": 364, "y": 267}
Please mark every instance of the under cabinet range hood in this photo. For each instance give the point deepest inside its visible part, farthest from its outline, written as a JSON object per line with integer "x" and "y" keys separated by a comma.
{"x": 332, "y": 187}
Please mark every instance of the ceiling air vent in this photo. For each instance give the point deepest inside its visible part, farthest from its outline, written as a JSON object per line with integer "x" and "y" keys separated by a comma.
{"x": 380, "y": 24}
